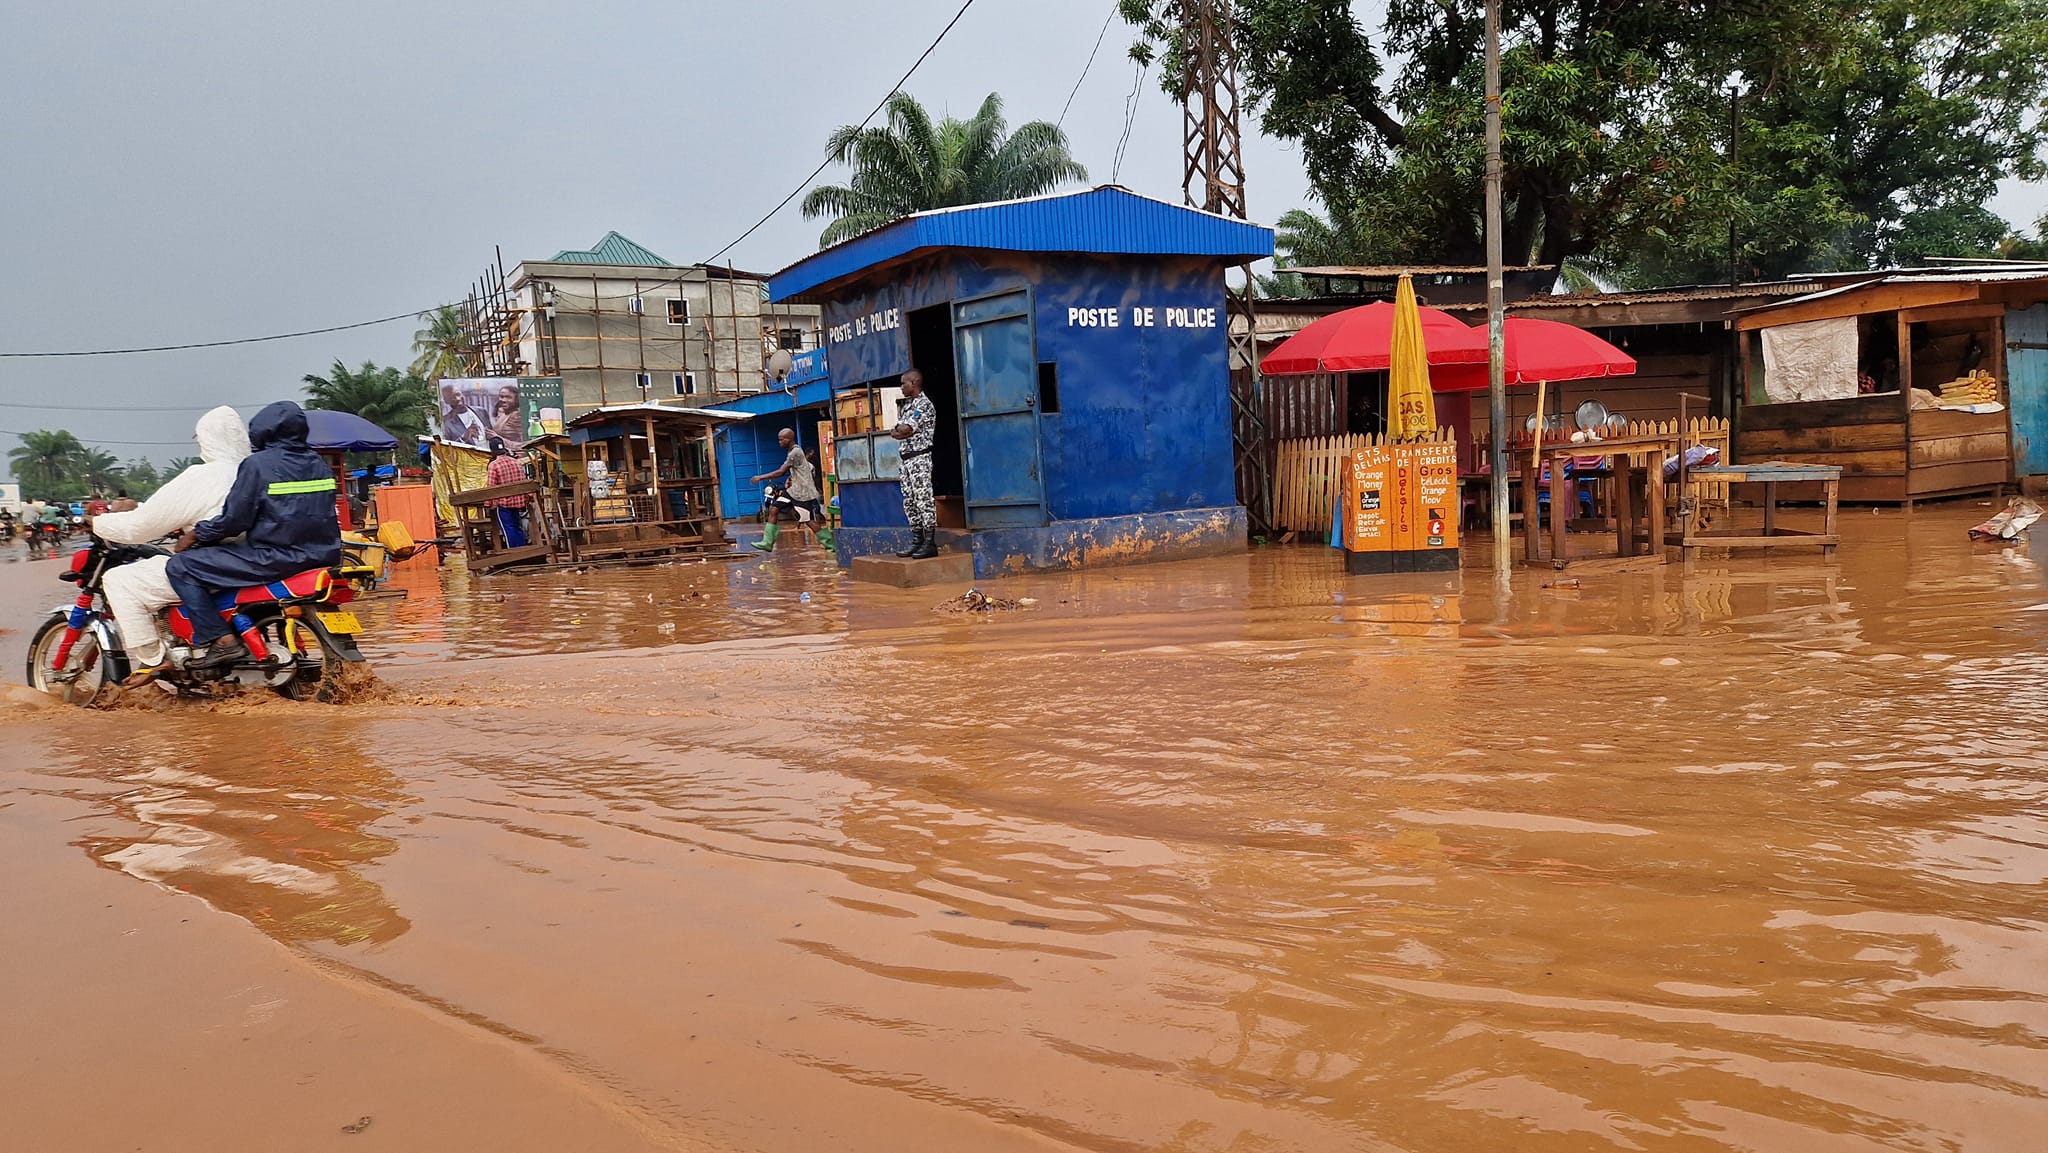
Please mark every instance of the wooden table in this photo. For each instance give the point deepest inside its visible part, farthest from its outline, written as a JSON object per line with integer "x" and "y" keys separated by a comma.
{"x": 1656, "y": 448}
{"x": 1770, "y": 474}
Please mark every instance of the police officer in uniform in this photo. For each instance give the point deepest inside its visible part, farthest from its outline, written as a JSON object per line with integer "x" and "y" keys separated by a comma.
{"x": 917, "y": 423}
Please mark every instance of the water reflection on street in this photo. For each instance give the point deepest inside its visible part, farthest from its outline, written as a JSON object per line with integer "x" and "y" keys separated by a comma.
{"x": 1224, "y": 855}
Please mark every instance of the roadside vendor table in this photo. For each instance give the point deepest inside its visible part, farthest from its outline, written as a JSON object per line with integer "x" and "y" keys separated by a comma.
{"x": 1770, "y": 474}
{"x": 1655, "y": 448}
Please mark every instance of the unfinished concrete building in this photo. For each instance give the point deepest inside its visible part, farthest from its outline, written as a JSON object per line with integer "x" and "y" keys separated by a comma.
{"x": 621, "y": 325}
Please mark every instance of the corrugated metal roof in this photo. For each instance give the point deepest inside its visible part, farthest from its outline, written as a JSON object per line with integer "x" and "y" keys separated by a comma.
{"x": 1388, "y": 271}
{"x": 1109, "y": 219}
{"x": 613, "y": 249}
{"x": 1984, "y": 276}
{"x": 613, "y": 412}
{"x": 784, "y": 398}
{"x": 1284, "y": 316}
{"x": 1653, "y": 296}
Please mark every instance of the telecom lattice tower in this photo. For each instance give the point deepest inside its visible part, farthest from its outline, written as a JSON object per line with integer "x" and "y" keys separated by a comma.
{"x": 1213, "y": 180}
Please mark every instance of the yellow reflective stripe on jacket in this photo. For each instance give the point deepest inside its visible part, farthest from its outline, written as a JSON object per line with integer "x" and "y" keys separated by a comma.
{"x": 294, "y": 487}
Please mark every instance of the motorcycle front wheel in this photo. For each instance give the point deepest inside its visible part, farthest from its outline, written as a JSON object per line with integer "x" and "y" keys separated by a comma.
{"x": 85, "y": 674}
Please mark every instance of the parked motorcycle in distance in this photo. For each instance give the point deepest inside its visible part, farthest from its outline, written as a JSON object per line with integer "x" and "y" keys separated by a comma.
{"x": 297, "y": 631}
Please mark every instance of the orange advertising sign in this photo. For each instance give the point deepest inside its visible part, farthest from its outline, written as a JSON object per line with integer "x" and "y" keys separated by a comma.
{"x": 1402, "y": 499}
{"x": 1436, "y": 495}
{"x": 1369, "y": 497}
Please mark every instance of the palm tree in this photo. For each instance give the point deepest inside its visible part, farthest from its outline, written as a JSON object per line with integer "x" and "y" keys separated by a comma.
{"x": 394, "y": 401}
{"x": 47, "y": 464}
{"x": 444, "y": 347}
{"x": 180, "y": 465}
{"x": 101, "y": 470}
{"x": 913, "y": 165}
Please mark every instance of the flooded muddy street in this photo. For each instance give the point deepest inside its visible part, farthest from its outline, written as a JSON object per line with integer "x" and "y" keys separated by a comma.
{"x": 1226, "y": 855}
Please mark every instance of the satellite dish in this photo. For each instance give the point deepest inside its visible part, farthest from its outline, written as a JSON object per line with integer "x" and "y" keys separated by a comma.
{"x": 779, "y": 364}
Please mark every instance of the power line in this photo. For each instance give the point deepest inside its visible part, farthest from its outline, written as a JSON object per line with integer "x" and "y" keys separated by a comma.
{"x": 215, "y": 343}
{"x": 1062, "y": 121}
{"x": 131, "y": 407}
{"x": 1130, "y": 118}
{"x": 755, "y": 227}
{"x": 188, "y": 441}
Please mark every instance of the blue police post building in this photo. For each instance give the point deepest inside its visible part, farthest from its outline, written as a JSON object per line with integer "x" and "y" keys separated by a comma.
{"x": 1075, "y": 346}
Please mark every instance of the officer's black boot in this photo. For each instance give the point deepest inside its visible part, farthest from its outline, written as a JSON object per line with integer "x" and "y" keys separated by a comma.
{"x": 916, "y": 542}
{"x": 927, "y": 544}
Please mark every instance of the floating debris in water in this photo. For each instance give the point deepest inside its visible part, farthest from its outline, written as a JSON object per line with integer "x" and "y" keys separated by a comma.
{"x": 976, "y": 601}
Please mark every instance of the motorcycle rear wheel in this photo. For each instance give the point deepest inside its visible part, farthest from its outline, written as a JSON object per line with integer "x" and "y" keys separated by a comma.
{"x": 92, "y": 665}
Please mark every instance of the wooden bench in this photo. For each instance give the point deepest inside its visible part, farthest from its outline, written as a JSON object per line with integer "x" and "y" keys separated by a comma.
{"x": 1690, "y": 538}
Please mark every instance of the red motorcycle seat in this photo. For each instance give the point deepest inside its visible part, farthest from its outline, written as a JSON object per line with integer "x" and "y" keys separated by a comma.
{"x": 309, "y": 585}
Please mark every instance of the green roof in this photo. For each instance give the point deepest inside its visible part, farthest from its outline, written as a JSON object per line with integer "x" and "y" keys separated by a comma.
{"x": 613, "y": 249}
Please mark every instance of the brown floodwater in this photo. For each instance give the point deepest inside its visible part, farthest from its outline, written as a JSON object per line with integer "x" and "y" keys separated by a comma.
{"x": 1240, "y": 854}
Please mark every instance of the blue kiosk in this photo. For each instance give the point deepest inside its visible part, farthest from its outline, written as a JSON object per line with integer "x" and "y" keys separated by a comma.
{"x": 1076, "y": 348}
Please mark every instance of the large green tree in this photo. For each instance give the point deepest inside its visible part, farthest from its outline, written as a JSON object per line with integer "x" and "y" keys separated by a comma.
{"x": 397, "y": 402}
{"x": 444, "y": 347}
{"x": 911, "y": 163}
{"x": 1873, "y": 130}
{"x": 49, "y": 465}
{"x": 142, "y": 477}
{"x": 179, "y": 465}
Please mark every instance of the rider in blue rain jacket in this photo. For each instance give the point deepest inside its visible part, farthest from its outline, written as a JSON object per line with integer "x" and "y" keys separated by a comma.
{"x": 282, "y": 506}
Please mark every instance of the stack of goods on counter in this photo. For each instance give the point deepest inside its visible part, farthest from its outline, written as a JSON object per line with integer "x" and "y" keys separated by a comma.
{"x": 1979, "y": 387}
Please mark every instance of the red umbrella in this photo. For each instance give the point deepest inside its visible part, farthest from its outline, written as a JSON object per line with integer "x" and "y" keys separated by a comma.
{"x": 1361, "y": 339}
{"x": 1539, "y": 350}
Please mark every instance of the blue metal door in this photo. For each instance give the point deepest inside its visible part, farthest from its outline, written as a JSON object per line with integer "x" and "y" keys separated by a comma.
{"x": 995, "y": 363}
{"x": 2026, "y": 371}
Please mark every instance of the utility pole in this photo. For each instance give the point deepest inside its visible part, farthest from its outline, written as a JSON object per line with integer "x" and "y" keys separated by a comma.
{"x": 1734, "y": 168}
{"x": 1496, "y": 317}
{"x": 1212, "y": 179}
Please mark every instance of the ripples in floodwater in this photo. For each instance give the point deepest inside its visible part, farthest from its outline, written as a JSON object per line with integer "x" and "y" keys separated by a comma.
{"x": 1241, "y": 854}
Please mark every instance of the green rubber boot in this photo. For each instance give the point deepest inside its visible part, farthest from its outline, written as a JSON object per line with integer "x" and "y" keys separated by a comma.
{"x": 825, "y": 538}
{"x": 768, "y": 535}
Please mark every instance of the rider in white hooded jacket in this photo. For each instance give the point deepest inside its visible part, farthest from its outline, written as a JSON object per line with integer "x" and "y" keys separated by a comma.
{"x": 136, "y": 591}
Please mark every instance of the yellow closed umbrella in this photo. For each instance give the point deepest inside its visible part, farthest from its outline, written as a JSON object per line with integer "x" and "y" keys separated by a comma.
{"x": 1411, "y": 406}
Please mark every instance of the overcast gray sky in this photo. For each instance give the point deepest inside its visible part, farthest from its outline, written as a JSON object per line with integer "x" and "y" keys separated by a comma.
{"x": 177, "y": 173}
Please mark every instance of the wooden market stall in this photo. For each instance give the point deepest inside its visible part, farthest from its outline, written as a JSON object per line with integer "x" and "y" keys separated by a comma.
{"x": 642, "y": 481}
{"x": 1871, "y": 377}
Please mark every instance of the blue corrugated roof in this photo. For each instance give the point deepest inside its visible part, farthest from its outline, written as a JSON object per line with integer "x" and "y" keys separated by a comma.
{"x": 807, "y": 384}
{"x": 613, "y": 249}
{"x": 1108, "y": 219}
{"x": 782, "y": 398}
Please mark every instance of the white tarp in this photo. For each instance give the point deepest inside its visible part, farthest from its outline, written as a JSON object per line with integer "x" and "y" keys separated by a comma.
{"x": 1811, "y": 361}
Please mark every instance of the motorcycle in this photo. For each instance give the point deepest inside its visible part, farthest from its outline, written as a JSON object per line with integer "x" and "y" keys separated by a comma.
{"x": 44, "y": 539}
{"x": 296, "y": 630}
